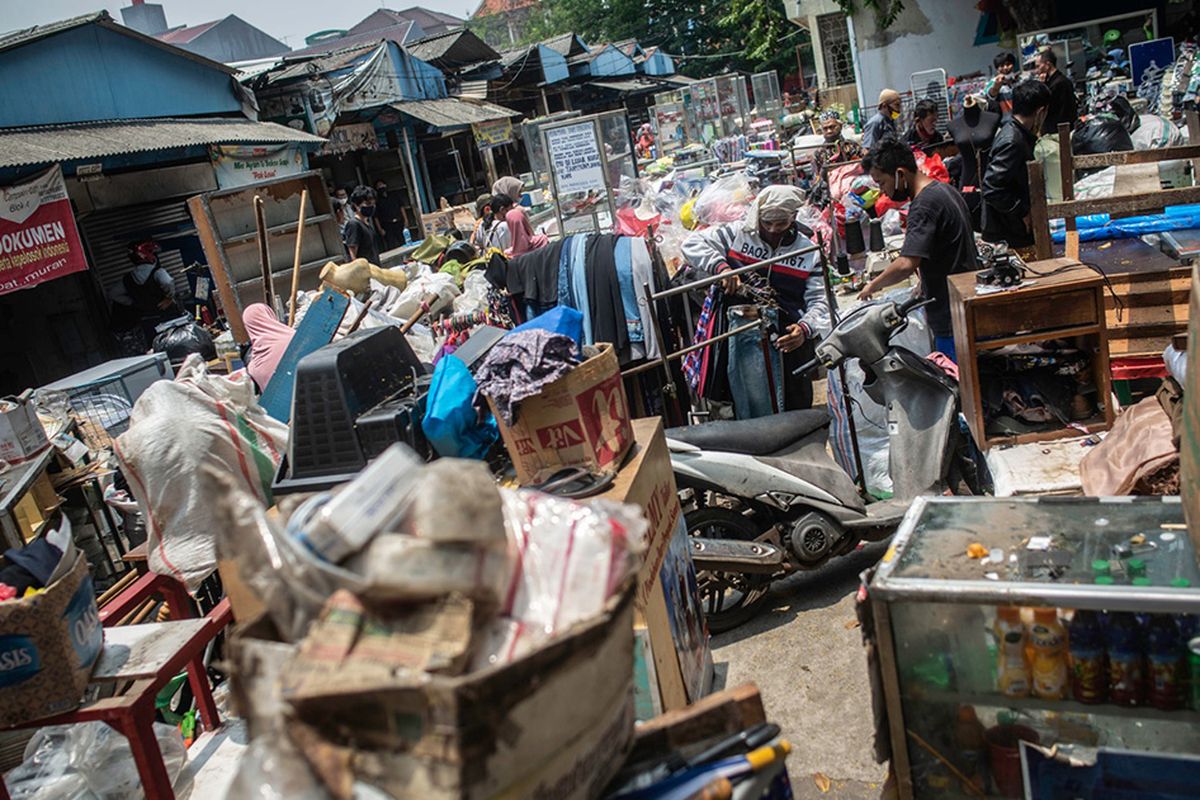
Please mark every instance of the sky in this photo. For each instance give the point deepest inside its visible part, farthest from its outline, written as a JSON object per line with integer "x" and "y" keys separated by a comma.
{"x": 288, "y": 20}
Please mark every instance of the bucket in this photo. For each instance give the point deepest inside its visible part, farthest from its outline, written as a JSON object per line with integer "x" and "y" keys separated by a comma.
{"x": 1004, "y": 753}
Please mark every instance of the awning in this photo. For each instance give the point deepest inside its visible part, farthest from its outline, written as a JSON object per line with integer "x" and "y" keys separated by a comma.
{"x": 627, "y": 87}
{"x": 48, "y": 144}
{"x": 454, "y": 112}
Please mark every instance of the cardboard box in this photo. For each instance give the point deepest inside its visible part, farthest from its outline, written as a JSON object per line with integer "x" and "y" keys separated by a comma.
{"x": 448, "y": 216}
{"x": 48, "y": 645}
{"x": 580, "y": 419}
{"x": 667, "y": 595}
{"x": 21, "y": 433}
{"x": 557, "y": 723}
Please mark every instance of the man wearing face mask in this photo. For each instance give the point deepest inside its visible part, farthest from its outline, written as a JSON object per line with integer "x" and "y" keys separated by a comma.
{"x": 1063, "y": 106}
{"x": 361, "y": 239}
{"x": 938, "y": 240}
{"x": 387, "y": 216}
{"x": 1006, "y": 180}
{"x": 883, "y": 124}
{"x": 770, "y": 229}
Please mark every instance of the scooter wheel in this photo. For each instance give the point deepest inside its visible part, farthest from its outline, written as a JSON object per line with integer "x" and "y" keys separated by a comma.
{"x": 729, "y": 598}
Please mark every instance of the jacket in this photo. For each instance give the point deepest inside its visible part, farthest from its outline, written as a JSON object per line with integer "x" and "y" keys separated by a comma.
{"x": 1063, "y": 106}
{"x": 796, "y": 281}
{"x": 878, "y": 128}
{"x": 1006, "y": 185}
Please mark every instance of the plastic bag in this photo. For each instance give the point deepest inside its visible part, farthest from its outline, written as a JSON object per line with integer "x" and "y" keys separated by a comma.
{"x": 88, "y": 760}
{"x": 177, "y": 428}
{"x": 184, "y": 338}
{"x": 452, "y": 424}
{"x": 726, "y": 199}
{"x": 474, "y": 295}
{"x": 573, "y": 557}
{"x": 440, "y": 285}
{"x": 1100, "y": 135}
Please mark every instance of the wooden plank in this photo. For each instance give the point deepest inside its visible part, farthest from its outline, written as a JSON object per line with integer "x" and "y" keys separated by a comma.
{"x": 722, "y": 713}
{"x": 962, "y": 320}
{"x": 1067, "y": 172}
{"x": 1039, "y": 336}
{"x": 206, "y": 230}
{"x": 1136, "y": 179}
{"x": 1121, "y": 157}
{"x": 1092, "y": 425}
{"x": 1121, "y": 347}
{"x": 140, "y": 651}
{"x": 1150, "y": 292}
{"x": 1149, "y": 201}
{"x": 1068, "y": 308}
{"x": 1136, "y": 318}
{"x": 1039, "y": 216}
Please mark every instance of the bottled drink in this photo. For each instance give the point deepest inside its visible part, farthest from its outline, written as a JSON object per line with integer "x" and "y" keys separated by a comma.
{"x": 1126, "y": 671}
{"x": 1165, "y": 660}
{"x": 1012, "y": 674}
{"x": 1089, "y": 670}
{"x": 969, "y": 742}
{"x": 1049, "y": 641}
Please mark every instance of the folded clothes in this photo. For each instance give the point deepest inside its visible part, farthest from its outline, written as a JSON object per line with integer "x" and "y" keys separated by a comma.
{"x": 520, "y": 364}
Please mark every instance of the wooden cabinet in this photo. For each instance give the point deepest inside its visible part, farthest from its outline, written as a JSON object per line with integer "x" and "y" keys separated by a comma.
{"x": 1065, "y": 300}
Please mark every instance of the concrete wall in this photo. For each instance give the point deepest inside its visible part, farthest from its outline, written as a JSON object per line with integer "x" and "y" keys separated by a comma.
{"x": 928, "y": 34}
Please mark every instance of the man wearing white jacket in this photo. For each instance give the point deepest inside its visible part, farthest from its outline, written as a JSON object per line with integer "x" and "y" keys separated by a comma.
{"x": 770, "y": 229}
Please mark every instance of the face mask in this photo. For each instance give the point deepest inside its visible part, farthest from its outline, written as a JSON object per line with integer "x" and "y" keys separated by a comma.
{"x": 894, "y": 115}
{"x": 381, "y": 190}
{"x": 898, "y": 194}
{"x": 367, "y": 211}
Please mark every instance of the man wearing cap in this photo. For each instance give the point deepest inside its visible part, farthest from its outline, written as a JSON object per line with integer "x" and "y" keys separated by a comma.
{"x": 836, "y": 149}
{"x": 883, "y": 124}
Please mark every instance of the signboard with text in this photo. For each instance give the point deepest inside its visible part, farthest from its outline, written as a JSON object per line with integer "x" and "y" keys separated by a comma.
{"x": 574, "y": 154}
{"x": 492, "y": 133}
{"x": 239, "y": 165}
{"x": 38, "y": 238}
{"x": 347, "y": 138}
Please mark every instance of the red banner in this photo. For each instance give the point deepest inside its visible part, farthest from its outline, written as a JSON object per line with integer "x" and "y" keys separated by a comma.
{"x": 38, "y": 238}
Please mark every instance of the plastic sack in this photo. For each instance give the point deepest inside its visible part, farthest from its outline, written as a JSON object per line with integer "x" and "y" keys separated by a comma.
{"x": 1176, "y": 362}
{"x": 439, "y": 284}
{"x": 1100, "y": 135}
{"x": 932, "y": 166}
{"x": 726, "y": 199}
{"x": 177, "y": 428}
{"x": 891, "y": 223}
{"x": 571, "y": 558}
{"x": 1154, "y": 132}
{"x": 474, "y": 295}
{"x": 88, "y": 760}
{"x": 452, "y": 424}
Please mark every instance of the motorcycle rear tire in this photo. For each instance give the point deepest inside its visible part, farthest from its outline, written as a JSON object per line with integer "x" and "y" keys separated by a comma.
{"x": 729, "y": 525}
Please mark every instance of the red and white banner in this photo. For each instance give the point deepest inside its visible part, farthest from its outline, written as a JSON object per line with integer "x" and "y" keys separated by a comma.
{"x": 38, "y": 238}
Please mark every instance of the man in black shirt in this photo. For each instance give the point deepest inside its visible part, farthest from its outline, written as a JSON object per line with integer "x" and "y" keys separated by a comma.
{"x": 1063, "y": 106}
{"x": 938, "y": 240}
{"x": 1006, "y": 180}
{"x": 361, "y": 238}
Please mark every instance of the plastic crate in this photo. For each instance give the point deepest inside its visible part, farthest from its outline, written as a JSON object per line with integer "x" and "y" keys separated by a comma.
{"x": 105, "y": 394}
{"x": 334, "y": 387}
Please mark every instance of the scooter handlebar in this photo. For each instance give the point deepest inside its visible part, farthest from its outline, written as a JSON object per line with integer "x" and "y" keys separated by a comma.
{"x": 806, "y": 368}
{"x": 912, "y": 304}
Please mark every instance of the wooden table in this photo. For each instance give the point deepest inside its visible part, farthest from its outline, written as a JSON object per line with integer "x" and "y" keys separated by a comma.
{"x": 1065, "y": 305}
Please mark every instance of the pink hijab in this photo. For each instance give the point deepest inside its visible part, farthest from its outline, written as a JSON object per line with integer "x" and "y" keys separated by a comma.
{"x": 269, "y": 338}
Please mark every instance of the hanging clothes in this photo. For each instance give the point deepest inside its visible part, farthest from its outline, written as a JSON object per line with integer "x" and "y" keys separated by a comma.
{"x": 577, "y": 279}
{"x": 643, "y": 276}
{"x": 606, "y": 310}
{"x": 623, "y": 256}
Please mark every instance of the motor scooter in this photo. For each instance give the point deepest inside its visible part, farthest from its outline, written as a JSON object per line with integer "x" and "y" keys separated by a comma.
{"x": 763, "y": 498}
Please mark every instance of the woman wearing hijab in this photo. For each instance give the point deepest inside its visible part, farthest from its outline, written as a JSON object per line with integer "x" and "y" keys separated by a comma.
{"x": 770, "y": 230}
{"x": 269, "y": 338}
{"x": 520, "y": 233}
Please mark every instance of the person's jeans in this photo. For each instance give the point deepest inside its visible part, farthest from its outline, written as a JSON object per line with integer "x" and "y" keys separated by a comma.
{"x": 748, "y": 380}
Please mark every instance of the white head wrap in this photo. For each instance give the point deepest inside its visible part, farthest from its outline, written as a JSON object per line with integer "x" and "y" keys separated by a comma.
{"x": 513, "y": 187}
{"x": 774, "y": 202}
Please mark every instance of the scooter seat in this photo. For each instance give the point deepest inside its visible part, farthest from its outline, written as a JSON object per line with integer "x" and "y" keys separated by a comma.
{"x": 755, "y": 437}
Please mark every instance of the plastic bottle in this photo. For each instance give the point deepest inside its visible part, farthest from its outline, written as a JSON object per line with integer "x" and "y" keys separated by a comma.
{"x": 1012, "y": 674}
{"x": 1165, "y": 663}
{"x": 1126, "y": 670}
{"x": 1089, "y": 668}
{"x": 1049, "y": 641}
{"x": 970, "y": 744}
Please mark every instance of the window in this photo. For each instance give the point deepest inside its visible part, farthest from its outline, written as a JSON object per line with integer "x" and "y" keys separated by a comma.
{"x": 834, "y": 36}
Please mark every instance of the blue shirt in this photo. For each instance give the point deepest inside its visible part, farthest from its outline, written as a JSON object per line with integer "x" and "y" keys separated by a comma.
{"x": 878, "y": 128}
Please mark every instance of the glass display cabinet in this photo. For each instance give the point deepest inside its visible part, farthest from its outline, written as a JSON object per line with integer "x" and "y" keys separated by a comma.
{"x": 1065, "y": 622}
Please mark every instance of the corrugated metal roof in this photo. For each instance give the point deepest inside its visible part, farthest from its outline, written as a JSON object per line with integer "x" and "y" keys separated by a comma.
{"x": 452, "y": 49}
{"x": 454, "y": 112}
{"x": 399, "y": 33}
{"x": 185, "y": 34}
{"x": 25, "y": 36}
{"x": 47, "y": 144}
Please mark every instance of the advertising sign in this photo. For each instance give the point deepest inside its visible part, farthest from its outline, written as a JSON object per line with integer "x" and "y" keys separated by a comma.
{"x": 38, "y": 238}
{"x": 345, "y": 138}
{"x": 1148, "y": 60}
{"x": 238, "y": 165}
{"x": 575, "y": 160}
{"x": 492, "y": 133}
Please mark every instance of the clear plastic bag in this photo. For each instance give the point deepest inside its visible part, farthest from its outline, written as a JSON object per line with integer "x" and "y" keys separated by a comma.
{"x": 726, "y": 199}
{"x": 88, "y": 760}
{"x": 474, "y": 295}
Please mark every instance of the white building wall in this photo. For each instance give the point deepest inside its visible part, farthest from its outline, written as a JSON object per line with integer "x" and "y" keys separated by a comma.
{"x": 927, "y": 34}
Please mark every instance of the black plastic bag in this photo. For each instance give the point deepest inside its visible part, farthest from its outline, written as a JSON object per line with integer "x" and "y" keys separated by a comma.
{"x": 183, "y": 339}
{"x": 1102, "y": 134}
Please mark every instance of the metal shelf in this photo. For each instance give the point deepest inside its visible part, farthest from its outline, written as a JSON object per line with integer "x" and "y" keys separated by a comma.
{"x": 1038, "y": 705}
